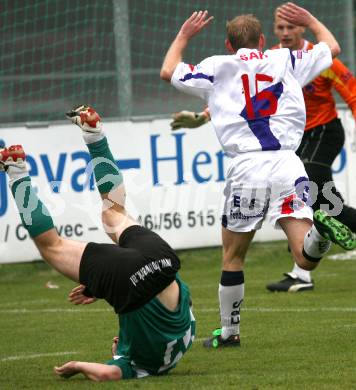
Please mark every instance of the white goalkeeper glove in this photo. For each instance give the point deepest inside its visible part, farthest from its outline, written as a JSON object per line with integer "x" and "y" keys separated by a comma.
{"x": 189, "y": 119}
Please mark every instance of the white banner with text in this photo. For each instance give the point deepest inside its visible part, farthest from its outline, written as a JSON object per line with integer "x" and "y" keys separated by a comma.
{"x": 174, "y": 183}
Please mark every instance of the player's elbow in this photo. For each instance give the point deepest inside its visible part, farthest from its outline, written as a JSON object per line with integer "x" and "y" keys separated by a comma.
{"x": 335, "y": 50}
{"x": 165, "y": 74}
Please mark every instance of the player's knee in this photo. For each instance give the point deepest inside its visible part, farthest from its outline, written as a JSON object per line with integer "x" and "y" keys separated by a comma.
{"x": 233, "y": 261}
{"x": 112, "y": 218}
{"x": 114, "y": 223}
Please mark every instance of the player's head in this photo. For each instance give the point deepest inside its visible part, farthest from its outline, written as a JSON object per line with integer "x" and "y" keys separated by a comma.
{"x": 244, "y": 31}
{"x": 288, "y": 34}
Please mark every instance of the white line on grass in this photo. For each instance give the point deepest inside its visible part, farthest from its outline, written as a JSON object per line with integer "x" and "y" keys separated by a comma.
{"x": 56, "y": 310}
{"x": 285, "y": 310}
{"x": 343, "y": 256}
{"x": 37, "y": 355}
{"x": 200, "y": 339}
{"x": 30, "y": 302}
{"x": 198, "y": 310}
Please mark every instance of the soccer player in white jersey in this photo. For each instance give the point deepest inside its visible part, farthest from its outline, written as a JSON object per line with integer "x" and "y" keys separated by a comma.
{"x": 257, "y": 109}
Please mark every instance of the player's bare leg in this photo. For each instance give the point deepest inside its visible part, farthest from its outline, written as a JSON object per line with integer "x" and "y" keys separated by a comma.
{"x": 231, "y": 288}
{"x": 310, "y": 242}
{"x": 111, "y": 186}
{"x": 235, "y": 246}
{"x": 107, "y": 175}
{"x": 62, "y": 254}
{"x": 296, "y": 230}
{"x": 95, "y": 371}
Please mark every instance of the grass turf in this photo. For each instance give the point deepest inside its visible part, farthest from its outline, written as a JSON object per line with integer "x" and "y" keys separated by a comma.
{"x": 289, "y": 341}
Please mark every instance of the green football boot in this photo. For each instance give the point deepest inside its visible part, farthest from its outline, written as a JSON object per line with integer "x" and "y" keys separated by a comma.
{"x": 218, "y": 342}
{"x": 334, "y": 230}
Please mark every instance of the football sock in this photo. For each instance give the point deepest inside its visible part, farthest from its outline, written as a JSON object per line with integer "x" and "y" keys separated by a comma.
{"x": 106, "y": 171}
{"x": 90, "y": 138}
{"x": 315, "y": 245}
{"x": 34, "y": 215}
{"x": 16, "y": 173}
{"x": 301, "y": 273}
{"x": 231, "y": 295}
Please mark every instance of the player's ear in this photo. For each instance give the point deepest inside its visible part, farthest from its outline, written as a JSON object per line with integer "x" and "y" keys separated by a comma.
{"x": 261, "y": 42}
{"x": 228, "y": 46}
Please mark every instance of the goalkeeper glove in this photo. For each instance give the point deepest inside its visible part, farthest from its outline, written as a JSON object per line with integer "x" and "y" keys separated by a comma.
{"x": 189, "y": 119}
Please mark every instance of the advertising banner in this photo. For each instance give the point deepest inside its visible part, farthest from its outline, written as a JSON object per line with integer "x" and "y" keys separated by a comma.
{"x": 174, "y": 183}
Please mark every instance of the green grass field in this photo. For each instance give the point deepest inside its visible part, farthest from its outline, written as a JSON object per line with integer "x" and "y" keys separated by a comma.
{"x": 289, "y": 341}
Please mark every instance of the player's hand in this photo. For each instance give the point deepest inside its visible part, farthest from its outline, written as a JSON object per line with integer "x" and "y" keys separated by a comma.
{"x": 295, "y": 15}
{"x": 115, "y": 342}
{"x": 188, "y": 119}
{"x": 77, "y": 297}
{"x": 194, "y": 24}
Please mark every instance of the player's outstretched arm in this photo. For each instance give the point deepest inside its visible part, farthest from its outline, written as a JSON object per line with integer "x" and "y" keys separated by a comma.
{"x": 189, "y": 119}
{"x": 301, "y": 17}
{"x": 191, "y": 27}
{"x": 97, "y": 372}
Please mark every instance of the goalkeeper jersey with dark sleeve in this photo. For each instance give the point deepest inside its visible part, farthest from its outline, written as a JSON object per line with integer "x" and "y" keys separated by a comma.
{"x": 153, "y": 339}
{"x": 319, "y": 101}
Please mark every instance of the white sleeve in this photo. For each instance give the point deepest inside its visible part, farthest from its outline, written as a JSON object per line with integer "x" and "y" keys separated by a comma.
{"x": 197, "y": 80}
{"x": 306, "y": 65}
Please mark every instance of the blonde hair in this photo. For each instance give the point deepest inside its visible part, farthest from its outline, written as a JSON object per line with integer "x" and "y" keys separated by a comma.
{"x": 244, "y": 31}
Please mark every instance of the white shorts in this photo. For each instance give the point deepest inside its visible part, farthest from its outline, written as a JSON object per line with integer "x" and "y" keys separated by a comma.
{"x": 270, "y": 184}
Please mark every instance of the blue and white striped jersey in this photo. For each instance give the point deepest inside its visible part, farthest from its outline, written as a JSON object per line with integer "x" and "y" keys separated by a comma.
{"x": 255, "y": 98}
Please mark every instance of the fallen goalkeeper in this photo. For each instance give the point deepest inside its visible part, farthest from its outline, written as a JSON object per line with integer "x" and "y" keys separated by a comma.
{"x": 136, "y": 275}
